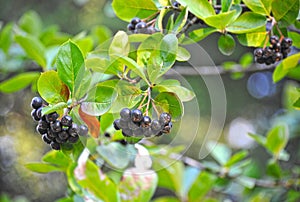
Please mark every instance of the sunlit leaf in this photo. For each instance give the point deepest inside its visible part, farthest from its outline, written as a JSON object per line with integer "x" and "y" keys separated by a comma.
{"x": 18, "y": 82}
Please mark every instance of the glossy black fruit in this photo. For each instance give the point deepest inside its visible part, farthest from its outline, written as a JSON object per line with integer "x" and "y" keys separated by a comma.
{"x": 46, "y": 139}
{"x": 133, "y": 126}
{"x": 55, "y": 145}
{"x": 36, "y": 102}
{"x": 155, "y": 125}
{"x": 52, "y": 117}
{"x": 135, "y": 21}
{"x": 56, "y": 126}
{"x": 51, "y": 134}
{"x": 277, "y": 57}
{"x": 258, "y": 52}
{"x": 83, "y": 130}
{"x": 34, "y": 116}
{"x": 125, "y": 114}
{"x": 74, "y": 130}
{"x": 167, "y": 128}
{"x": 274, "y": 39}
{"x": 141, "y": 25}
{"x": 39, "y": 112}
{"x": 117, "y": 124}
{"x": 127, "y": 132}
{"x": 130, "y": 27}
{"x": 73, "y": 139}
{"x": 136, "y": 115}
{"x": 286, "y": 43}
{"x": 164, "y": 118}
{"x": 66, "y": 121}
{"x": 43, "y": 124}
{"x": 63, "y": 135}
{"x": 41, "y": 130}
{"x": 146, "y": 121}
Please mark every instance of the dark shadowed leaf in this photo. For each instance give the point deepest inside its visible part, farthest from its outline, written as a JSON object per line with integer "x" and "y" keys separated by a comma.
{"x": 226, "y": 44}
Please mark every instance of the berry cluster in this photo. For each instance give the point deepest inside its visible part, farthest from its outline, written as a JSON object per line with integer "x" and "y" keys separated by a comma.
{"x": 137, "y": 26}
{"x": 134, "y": 124}
{"x": 277, "y": 50}
{"x": 55, "y": 132}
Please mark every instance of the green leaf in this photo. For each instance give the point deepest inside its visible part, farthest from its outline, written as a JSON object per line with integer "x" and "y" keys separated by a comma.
{"x": 131, "y": 64}
{"x": 277, "y": 139}
{"x": 182, "y": 54}
{"x": 236, "y": 158}
{"x": 51, "y": 88}
{"x": 226, "y": 44}
{"x": 99, "y": 184}
{"x": 190, "y": 174}
{"x": 101, "y": 34}
{"x": 42, "y": 167}
{"x": 54, "y": 108}
{"x": 247, "y": 22}
{"x": 220, "y": 152}
{"x": 85, "y": 44}
{"x": 195, "y": 5}
{"x": 295, "y": 37}
{"x": 6, "y": 37}
{"x": 255, "y": 39}
{"x": 180, "y": 20}
{"x": 169, "y": 102}
{"x": 149, "y": 45}
{"x": 273, "y": 168}
{"x": 115, "y": 154}
{"x": 202, "y": 185}
{"x": 285, "y": 66}
{"x": 259, "y": 139}
{"x": 166, "y": 169}
{"x": 126, "y": 10}
{"x": 199, "y": 34}
{"x": 173, "y": 86}
{"x": 70, "y": 65}
{"x": 120, "y": 45}
{"x": 160, "y": 18}
{"x": 100, "y": 64}
{"x": 246, "y": 60}
{"x": 137, "y": 185}
{"x": 18, "y": 82}
{"x": 33, "y": 48}
{"x": 226, "y": 5}
{"x": 100, "y": 98}
{"x": 31, "y": 23}
{"x": 262, "y": 7}
{"x": 163, "y": 59}
{"x": 57, "y": 158}
{"x": 286, "y": 10}
{"x": 221, "y": 20}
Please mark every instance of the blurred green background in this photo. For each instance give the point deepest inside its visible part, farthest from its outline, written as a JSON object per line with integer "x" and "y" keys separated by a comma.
{"x": 251, "y": 101}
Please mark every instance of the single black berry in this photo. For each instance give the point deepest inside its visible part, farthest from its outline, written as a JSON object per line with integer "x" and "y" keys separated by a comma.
{"x": 286, "y": 43}
{"x": 277, "y": 57}
{"x": 136, "y": 115}
{"x": 123, "y": 123}
{"x": 167, "y": 128}
{"x": 74, "y": 130}
{"x": 155, "y": 125}
{"x": 55, "y": 145}
{"x": 66, "y": 121}
{"x": 46, "y": 139}
{"x": 106, "y": 134}
{"x": 125, "y": 114}
{"x": 274, "y": 39}
{"x": 117, "y": 124}
{"x": 36, "y": 102}
{"x": 51, "y": 117}
{"x": 43, "y": 124}
{"x": 176, "y": 4}
{"x": 59, "y": 140}
{"x": 83, "y": 130}
{"x": 164, "y": 118}
{"x": 148, "y": 132}
{"x": 130, "y": 27}
{"x": 135, "y": 21}
{"x": 141, "y": 25}
{"x": 268, "y": 52}
{"x": 63, "y": 135}
{"x": 146, "y": 121}
{"x": 39, "y": 112}
{"x": 56, "y": 126}
{"x": 258, "y": 52}
{"x": 277, "y": 47}
{"x": 73, "y": 139}
{"x": 41, "y": 130}
{"x": 34, "y": 115}
{"x": 51, "y": 134}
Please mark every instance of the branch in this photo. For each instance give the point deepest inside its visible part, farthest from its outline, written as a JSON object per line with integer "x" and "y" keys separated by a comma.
{"x": 291, "y": 28}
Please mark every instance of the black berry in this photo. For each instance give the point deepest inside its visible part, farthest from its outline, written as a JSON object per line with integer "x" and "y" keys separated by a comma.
{"x": 136, "y": 115}
{"x": 258, "y": 52}
{"x": 46, "y": 139}
{"x": 74, "y": 130}
{"x": 164, "y": 118}
{"x": 83, "y": 130}
{"x": 56, "y": 126}
{"x": 63, "y": 135}
{"x": 127, "y": 132}
{"x": 133, "y": 126}
{"x": 146, "y": 121}
{"x": 52, "y": 117}
{"x": 34, "y": 116}
{"x": 135, "y": 21}
{"x": 41, "y": 130}
{"x": 274, "y": 39}
{"x": 36, "y": 102}
{"x": 55, "y": 145}
{"x": 155, "y": 125}
{"x": 117, "y": 124}
{"x": 73, "y": 139}
{"x": 130, "y": 27}
{"x": 125, "y": 114}
{"x": 66, "y": 121}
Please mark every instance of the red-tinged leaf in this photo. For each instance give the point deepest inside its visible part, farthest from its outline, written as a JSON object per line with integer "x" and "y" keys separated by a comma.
{"x": 92, "y": 123}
